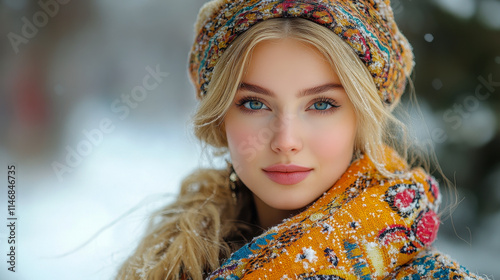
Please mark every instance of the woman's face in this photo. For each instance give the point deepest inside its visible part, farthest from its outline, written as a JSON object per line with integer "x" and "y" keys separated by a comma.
{"x": 290, "y": 109}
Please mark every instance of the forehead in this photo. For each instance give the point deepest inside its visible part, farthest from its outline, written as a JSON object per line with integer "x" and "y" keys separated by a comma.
{"x": 288, "y": 61}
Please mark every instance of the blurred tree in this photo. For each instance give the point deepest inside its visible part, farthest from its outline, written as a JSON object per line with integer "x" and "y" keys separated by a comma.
{"x": 455, "y": 55}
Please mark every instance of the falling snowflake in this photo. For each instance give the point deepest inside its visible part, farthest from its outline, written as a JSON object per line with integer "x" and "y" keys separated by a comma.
{"x": 429, "y": 37}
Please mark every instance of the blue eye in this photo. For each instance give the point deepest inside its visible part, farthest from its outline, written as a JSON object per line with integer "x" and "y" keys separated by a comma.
{"x": 253, "y": 105}
{"x": 322, "y": 105}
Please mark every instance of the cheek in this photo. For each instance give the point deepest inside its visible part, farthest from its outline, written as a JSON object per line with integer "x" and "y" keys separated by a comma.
{"x": 337, "y": 141}
{"x": 330, "y": 145}
{"x": 238, "y": 132}
{"x": 244, "y": 139}
{"x": 236, "y": 136}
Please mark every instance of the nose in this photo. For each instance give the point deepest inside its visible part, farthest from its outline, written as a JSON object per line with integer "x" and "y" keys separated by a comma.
{"x": 287, "y": 137}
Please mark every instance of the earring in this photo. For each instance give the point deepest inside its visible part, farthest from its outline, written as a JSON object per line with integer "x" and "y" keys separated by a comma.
{"x": 233, "y": 180}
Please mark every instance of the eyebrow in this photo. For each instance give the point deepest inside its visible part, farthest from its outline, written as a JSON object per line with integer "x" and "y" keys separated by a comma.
{"x": 305, "y": 92}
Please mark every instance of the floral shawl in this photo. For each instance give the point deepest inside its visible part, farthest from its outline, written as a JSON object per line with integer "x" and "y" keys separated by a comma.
{"x": 366, "y": 226}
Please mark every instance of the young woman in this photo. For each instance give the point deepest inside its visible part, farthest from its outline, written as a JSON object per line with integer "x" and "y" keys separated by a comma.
{"x": 299, "y": 95}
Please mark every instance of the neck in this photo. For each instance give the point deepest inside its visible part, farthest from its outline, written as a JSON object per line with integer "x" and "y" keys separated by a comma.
{"x": 268, "y": 216}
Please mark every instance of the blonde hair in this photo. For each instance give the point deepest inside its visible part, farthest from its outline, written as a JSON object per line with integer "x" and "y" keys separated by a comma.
{"x": 192, "y": 235}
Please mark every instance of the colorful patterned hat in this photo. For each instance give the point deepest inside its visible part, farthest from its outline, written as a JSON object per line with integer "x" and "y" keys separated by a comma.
{"x": 368, "y": 26}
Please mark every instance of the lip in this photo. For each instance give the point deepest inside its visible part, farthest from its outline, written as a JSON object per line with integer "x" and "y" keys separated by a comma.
{"x": 286, "y": 168}
{"x": 287, "y": 174}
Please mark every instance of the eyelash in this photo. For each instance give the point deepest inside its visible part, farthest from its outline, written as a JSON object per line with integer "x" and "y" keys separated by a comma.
{"x": 334, "y": 105}
{"x": 241, "y": 103}
{"x": 328, "y": 101}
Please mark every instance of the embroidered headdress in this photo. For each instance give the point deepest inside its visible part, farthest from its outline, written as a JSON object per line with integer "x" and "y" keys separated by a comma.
{"x": 368, "y": 26}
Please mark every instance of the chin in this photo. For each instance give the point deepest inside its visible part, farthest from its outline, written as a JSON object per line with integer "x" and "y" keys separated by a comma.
{"x": 288, "y": 206}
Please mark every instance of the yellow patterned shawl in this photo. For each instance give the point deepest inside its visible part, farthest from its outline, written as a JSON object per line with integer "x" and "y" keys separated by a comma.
{"x": 365, "y": 227}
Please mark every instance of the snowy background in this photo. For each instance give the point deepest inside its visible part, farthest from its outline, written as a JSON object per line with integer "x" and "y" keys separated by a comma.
{"x": 64, "y": 80}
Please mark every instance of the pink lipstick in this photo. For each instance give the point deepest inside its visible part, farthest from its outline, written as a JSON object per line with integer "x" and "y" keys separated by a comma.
{"x": 287, "y": 174}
